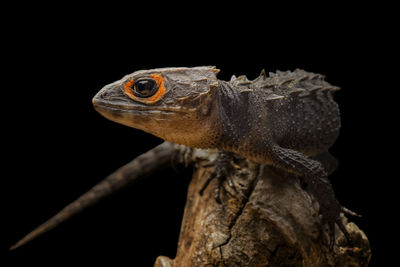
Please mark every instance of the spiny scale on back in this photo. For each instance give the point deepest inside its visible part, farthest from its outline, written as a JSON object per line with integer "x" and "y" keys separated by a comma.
{"x": 286, "y": 83}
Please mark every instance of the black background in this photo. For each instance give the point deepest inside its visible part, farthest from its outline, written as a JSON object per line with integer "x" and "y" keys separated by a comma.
{"x": 56, "y": 146}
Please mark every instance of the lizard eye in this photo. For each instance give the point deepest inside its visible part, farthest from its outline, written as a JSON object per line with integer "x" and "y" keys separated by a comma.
{"x": 144, "y": 88}
{"x": 147, "y": 90}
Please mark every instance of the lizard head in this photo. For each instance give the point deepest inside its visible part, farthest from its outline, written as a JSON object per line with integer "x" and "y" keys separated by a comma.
{"x": 172, "y": 103}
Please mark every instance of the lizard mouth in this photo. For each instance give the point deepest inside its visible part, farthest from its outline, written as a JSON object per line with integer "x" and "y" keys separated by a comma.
{"x": 100, "y": 105}
{"x": 146, "y": 118}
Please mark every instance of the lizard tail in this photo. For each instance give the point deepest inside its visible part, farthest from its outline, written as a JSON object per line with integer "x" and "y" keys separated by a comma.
{"x": 142, "y": 166}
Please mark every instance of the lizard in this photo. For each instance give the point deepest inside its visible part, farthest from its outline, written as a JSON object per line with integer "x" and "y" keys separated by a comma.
{"x": 285, "y": 119}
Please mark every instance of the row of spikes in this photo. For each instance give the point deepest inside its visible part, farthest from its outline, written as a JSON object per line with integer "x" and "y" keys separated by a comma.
{"x": 242, "y": 79}
{"x": 278, "y": 80}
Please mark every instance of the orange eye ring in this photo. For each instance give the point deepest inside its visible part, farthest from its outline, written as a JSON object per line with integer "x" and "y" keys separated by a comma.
{"x": 129, "y": 88}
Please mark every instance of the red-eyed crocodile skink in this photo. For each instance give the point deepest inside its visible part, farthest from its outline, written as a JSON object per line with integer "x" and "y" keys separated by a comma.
{"x": 285, "y": 119}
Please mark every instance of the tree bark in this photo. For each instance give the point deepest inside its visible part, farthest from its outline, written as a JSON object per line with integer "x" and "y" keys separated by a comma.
{"x": 266, "y": 219}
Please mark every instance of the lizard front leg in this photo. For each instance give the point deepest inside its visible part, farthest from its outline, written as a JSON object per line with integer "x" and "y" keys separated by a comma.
{"x": 223, "y": 169}
{"x": 317, "y": 183}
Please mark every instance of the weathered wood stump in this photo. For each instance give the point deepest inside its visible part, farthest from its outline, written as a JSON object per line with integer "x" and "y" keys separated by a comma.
{"x": 267, "y": 219}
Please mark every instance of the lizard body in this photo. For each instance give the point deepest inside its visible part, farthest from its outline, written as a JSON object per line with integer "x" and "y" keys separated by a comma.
{"x": 293, "y": 110}
{"x": 286, "y": 119}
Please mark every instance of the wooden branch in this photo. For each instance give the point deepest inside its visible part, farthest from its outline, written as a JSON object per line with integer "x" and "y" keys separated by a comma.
{"x": 269, "y": 221}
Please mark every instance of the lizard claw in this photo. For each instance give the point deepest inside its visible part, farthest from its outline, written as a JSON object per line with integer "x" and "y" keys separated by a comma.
{"x": 222, "y": 171}
{"x": 332, "y": 216}
{"x": 342, "y": 228}
{"x": 344, "y": 231}
{"x": 349, "y": 212}
{"x": 331, "y": 226}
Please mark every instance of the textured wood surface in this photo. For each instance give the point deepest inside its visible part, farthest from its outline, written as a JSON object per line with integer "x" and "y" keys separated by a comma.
{"x": 269, "y": 221}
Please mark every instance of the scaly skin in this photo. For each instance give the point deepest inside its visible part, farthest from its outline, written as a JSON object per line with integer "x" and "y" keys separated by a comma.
{"x": 285, "y": 120}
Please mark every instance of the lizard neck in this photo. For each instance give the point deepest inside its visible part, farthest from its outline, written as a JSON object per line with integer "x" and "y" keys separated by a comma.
{"x": 223, "y": 126}
{"x": 199, "y": 128}
{"x": 233, "y": 112}
{"x": 243, "y": 128}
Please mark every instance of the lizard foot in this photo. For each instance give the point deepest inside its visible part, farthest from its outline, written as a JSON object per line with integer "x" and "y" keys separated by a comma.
{"x": 329, "y": 207}
{"x": 330, "y": 212}
{"x": 224, "y": 167}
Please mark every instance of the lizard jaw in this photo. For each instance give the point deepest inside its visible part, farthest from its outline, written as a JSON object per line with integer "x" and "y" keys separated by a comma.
{"x": 171, "y": 124}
